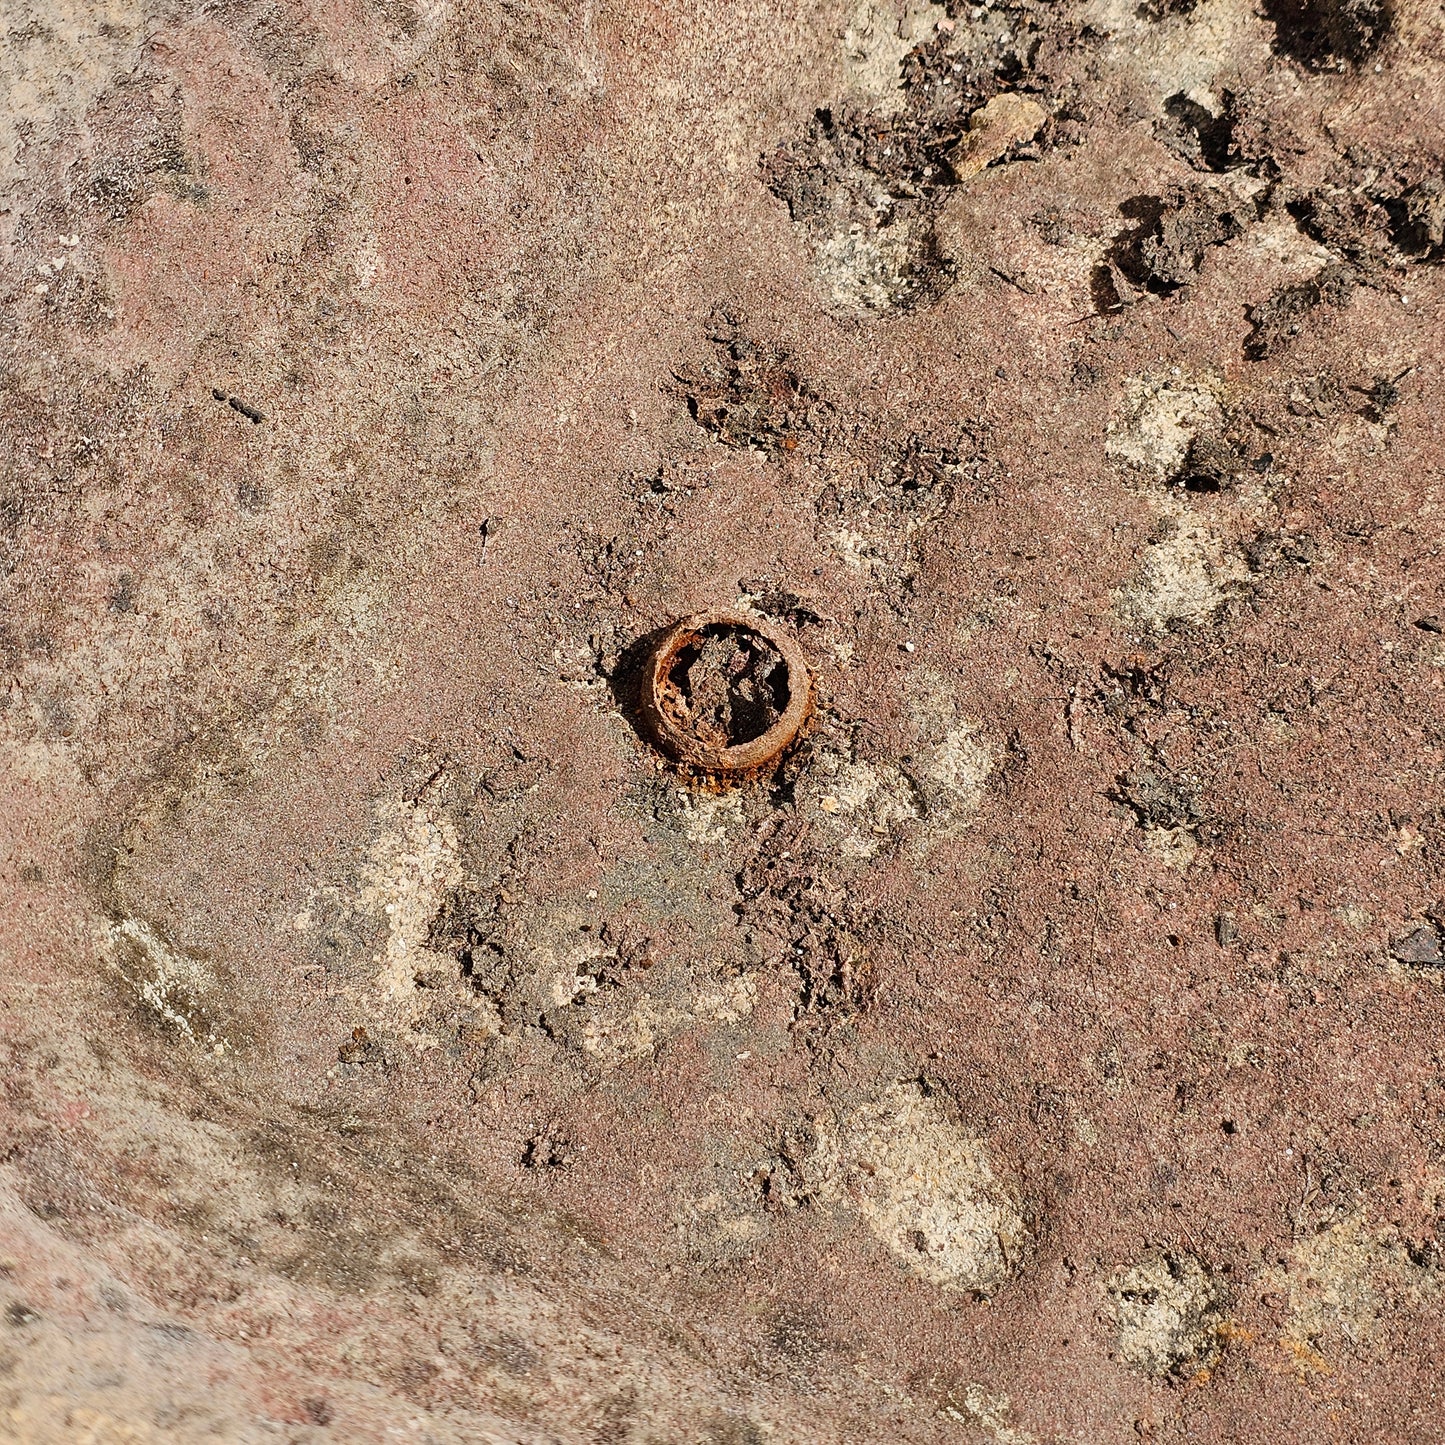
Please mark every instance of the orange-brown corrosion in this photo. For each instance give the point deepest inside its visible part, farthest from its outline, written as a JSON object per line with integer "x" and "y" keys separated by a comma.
{"x": 725, "y": 693}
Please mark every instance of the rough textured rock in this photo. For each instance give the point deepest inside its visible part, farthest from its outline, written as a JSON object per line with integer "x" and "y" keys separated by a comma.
{"x": 1049, "y": 1049}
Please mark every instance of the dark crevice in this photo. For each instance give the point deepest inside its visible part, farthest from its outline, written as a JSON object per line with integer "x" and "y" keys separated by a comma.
{"x": 731, "y": 686}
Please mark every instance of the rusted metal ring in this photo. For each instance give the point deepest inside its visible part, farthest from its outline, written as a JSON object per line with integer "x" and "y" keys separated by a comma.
{"x": 666, "y": 711}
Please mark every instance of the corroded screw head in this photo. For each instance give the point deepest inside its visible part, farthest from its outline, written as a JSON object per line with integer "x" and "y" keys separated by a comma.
{"x": 725, "y": 692}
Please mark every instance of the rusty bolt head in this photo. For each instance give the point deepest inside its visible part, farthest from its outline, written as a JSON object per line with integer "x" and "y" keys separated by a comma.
{"x": 725, "y": 693}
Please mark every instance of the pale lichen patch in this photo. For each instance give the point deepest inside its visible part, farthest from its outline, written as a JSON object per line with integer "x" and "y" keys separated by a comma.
{"x": 412, "y": 865}
{"x": 1173, "y": 847}
{"x": 1185, "y": 576}
{"x": 974, "y": 1405}
{"x": 1157, "y": 422}
{"x": 954, "y": 760}
{"x": 169, "y": 983}
{"x": 858, "y": 803}
{"x": 1167, "y": 1315}
{"x": 926, "y": 1188}
{"x": 866, "y": 270}
{"x": 875, "y": 42}
{"x": 709, "y": 817}
{"x": 1342, "y": 1283}
{"x": 955, "y": 773}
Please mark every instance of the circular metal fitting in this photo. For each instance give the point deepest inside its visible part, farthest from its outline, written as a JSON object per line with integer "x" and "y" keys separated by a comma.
{"x": 725, "y": 692}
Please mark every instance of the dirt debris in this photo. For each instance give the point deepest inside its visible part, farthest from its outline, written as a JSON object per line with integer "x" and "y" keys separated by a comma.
{"x": 1166, "y": 246}
{"x": 729, "y": 687}
{"x": 1420, "y": 947}
{"x": 864, "y": 183}
{"x": 1419, "y": 217}
{"x": 1330, "y": 34}
{"x": 748, "y": 395}
{"x": 1277, "y": 322}
{"x": 1200, "y": 127}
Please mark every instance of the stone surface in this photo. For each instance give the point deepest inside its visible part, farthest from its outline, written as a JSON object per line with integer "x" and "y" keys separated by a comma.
{"x": 395, "y": 1048}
